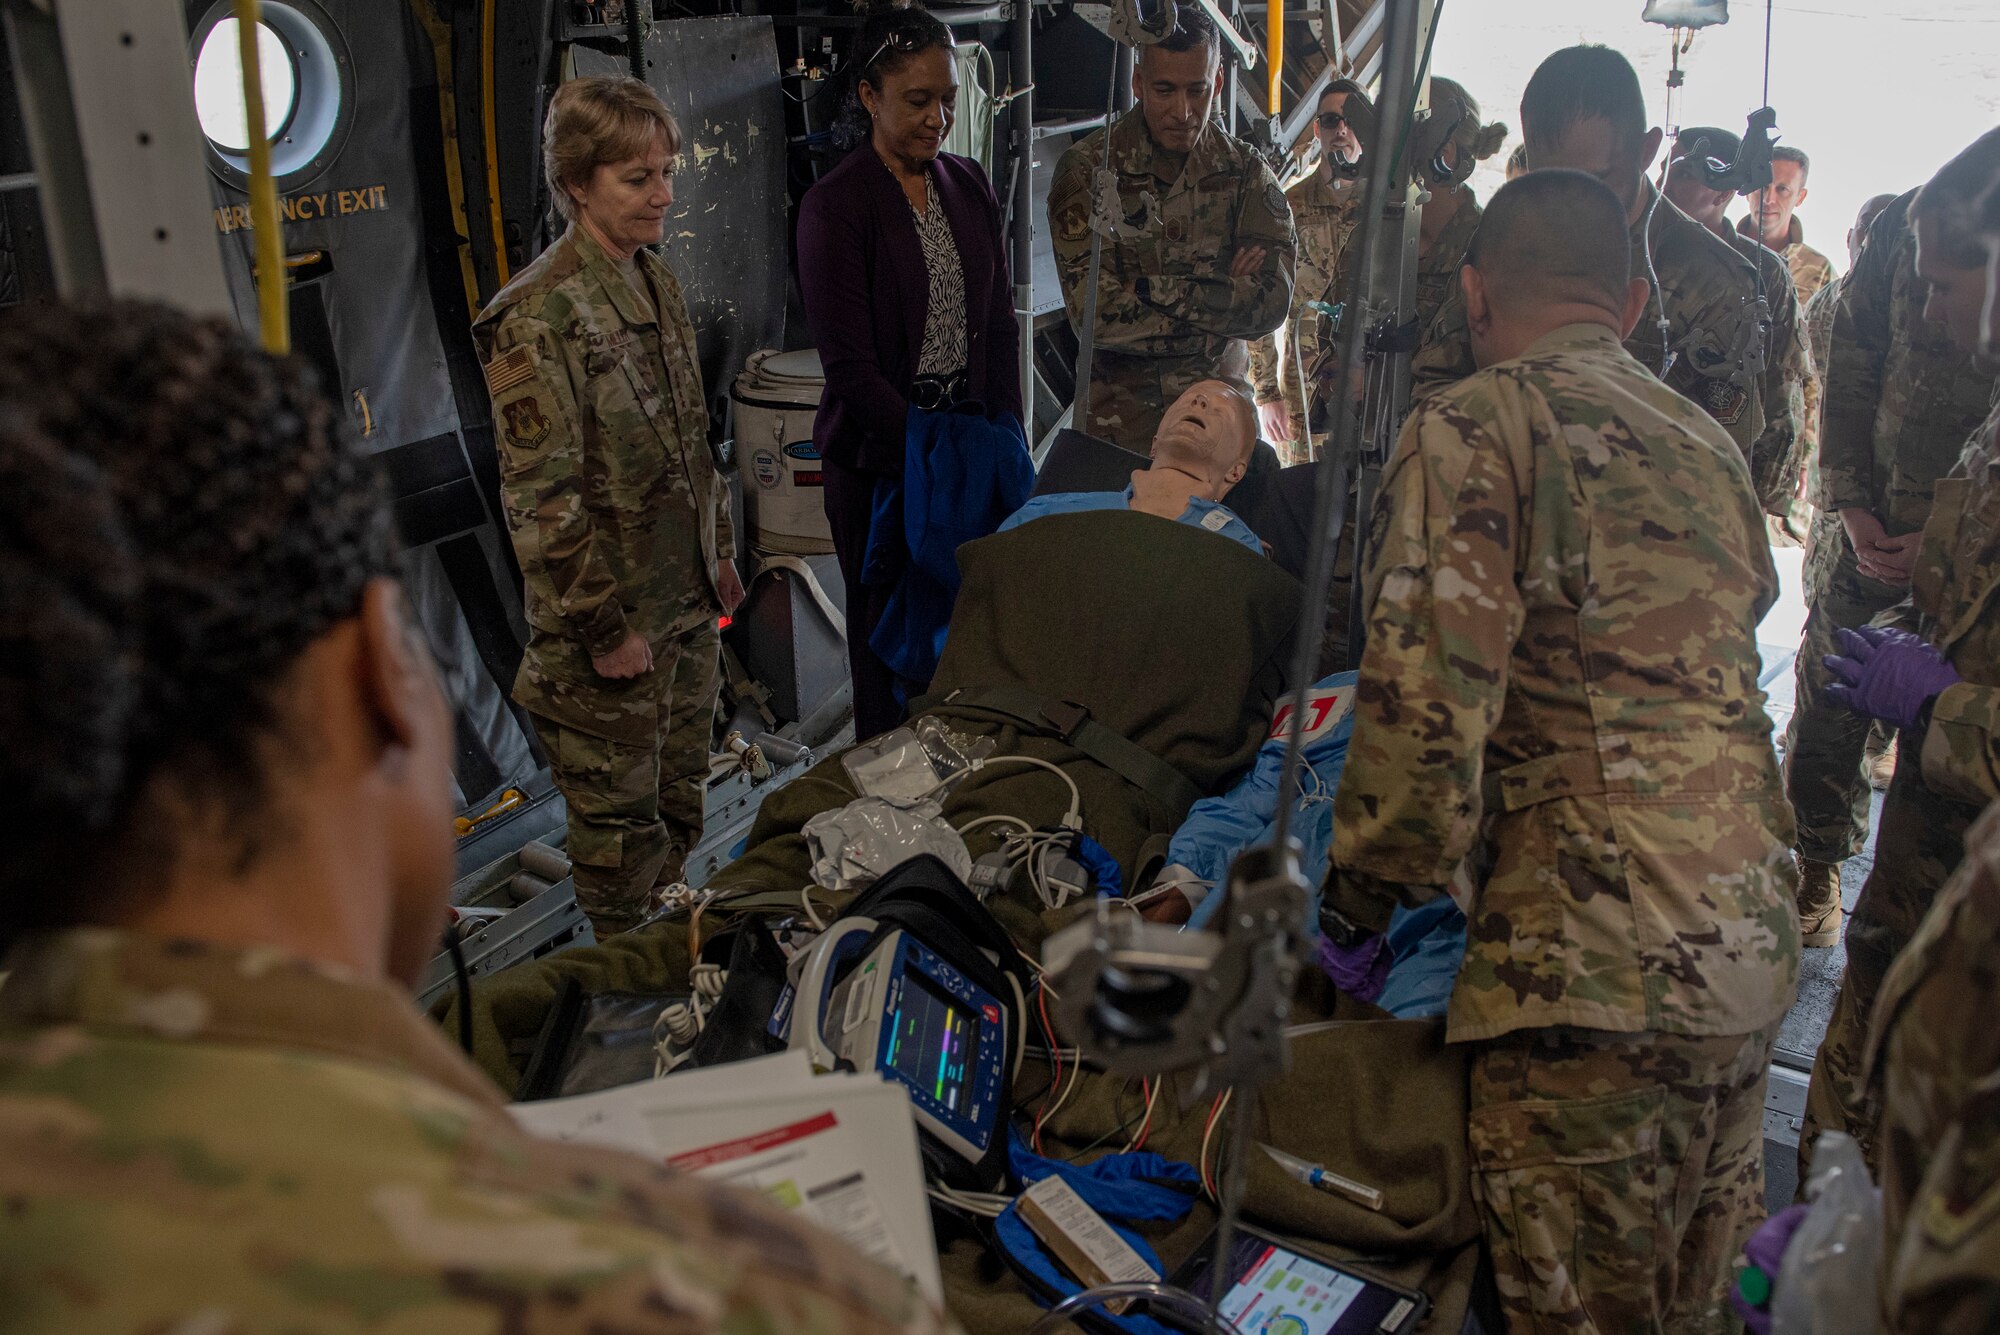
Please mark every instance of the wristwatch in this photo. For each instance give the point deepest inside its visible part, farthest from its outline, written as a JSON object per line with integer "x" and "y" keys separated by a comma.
{"x": 1340, "y": 929}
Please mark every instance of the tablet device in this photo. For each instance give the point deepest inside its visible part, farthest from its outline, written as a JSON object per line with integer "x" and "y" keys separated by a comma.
{"x": 1276, "y": 1289}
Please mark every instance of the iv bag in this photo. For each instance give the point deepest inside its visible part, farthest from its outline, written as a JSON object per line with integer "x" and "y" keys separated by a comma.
{"x": 1686, "y": 13}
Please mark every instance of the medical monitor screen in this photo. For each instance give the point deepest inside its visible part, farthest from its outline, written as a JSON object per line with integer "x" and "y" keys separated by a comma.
{"x": 934, "y": 1043}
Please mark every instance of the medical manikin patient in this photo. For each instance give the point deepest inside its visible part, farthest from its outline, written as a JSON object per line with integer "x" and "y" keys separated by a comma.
{"x": 1201, "y": 450}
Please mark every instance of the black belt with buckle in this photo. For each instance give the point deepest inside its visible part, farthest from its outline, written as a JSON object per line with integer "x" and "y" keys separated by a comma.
{"x": 936, "y": 393}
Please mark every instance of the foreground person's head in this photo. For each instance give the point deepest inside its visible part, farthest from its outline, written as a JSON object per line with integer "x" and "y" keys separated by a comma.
{"x": 213, "y": 700}
{"x": 1583, "y": 110}
{"x": 1550, "y": 251}
{"x": 1208, "y": 433}
{"x": 1951, "y": 255}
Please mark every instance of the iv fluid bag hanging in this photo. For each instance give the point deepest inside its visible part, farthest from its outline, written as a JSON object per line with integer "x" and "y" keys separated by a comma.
{"x": 1686, "y": 13}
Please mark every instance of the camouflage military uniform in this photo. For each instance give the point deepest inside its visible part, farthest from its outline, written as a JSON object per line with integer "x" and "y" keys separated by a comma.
{"x": 1168, "y": 313}
{"x": 620, "y": 520}
{"x": 1710, "y": 293}
{"x": 1816, "y": 318}
{"x": 1932, "y": 1062}
{"x": 1787, "y": 357}
{"x": 1810, "y": 270}
{"x": 1900, "y": 402}
{"x": 1941, "y": 783}
{"x": 1324, "y": 216}
{"x": 1437, "y": 278}
{"x": 1941, "y": 1131}
{"x": 207, "y": 1140}
{"x": 1560, "y": 693}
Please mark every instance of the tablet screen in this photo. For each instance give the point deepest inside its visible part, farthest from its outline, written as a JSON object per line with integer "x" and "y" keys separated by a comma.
{"x": 1283, "y": 1293}
{"x": 1276, "y": 1291}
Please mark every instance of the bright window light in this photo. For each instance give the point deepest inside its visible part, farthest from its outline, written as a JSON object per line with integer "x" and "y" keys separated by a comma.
{"x": 218, "y": 86}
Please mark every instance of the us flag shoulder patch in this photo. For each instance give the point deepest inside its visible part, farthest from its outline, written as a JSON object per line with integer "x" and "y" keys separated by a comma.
{"x": 510, "y": 369}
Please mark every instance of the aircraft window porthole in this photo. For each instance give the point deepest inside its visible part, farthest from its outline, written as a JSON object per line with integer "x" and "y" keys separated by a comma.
{"x": 308, "y": 90}
{"x": 218, "y": 86}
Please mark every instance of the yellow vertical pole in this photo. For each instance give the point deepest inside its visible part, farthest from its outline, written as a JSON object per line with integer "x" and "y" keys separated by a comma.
{"x": 489, "y": 123}
{"x": 274, "y": 326}
{"x": 1274, "y": 19}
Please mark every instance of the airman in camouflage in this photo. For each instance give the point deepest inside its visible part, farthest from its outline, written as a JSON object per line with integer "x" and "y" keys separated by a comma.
{"x": 621, "y": 525}
{"x": 1816, "y": 319}
{"x": 1809, "y": 269}
{"x": 1931, "y": 1058}
{"x": 1949, "y": 755}
{"x": 206, "y": 1139}
{"x": 1773, "y": 220}
{"x": 1203, "y": 254}
{"x": 1324, "y": 217}
{"x": 1583, "y": 109}
{"x": 1559, "y": 716}
{"x": 1932, "y": 1053}
{"x": 1899, "y": 403}
{"x": 1710, "y": 293}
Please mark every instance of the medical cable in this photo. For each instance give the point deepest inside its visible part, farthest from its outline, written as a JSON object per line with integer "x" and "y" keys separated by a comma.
{"x": 986, "y": 1204}
{"x": 1159, "y": 1297}
{"x": 1074, "y": 819}
{"x": 965, "y": 830}
{"x": 1653, "y": 277}
{"x": 683, "y": 1021}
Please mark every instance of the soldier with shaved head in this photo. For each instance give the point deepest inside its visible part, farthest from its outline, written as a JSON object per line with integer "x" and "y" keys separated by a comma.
{"x": 1559, "y": 720}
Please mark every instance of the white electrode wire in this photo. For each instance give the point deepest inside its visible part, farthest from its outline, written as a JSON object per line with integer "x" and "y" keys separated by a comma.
{"x": 1075, "y": 817}
{"x": 1022, "y": 827}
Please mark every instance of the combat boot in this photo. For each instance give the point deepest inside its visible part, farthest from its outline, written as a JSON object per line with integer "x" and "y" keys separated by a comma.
{"x": 1819, "y": 903}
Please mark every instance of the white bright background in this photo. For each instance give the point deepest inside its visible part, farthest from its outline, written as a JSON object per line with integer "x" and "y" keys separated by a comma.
{"x": 1880, "y": 93}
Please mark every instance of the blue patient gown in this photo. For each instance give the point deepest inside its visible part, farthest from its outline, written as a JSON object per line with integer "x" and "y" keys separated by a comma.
{"x": 1427, "y": 944}
{"x": 1200, "y": 513}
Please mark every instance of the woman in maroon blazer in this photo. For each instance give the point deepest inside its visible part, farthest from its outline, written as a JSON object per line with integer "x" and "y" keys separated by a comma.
{"x": 903, "y": 266}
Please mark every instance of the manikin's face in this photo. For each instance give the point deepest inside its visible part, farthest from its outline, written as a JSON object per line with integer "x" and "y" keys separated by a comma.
{"x": 1175, "y": 91}
{"x": 1339, "y": 138}
{"x": 624, "y": 204}
{"x": 1957, "y": 297}
{"x": 914, "y": 108}
{"x": 1208, "y": 431}
{"x": 1777, "y": 200}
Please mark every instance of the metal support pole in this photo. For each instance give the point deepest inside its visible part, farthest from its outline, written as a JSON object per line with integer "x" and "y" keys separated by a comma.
{"x": 1393, "y": 284}
{"x": 118, "y": 154}
{"x": 1021, "y": 117}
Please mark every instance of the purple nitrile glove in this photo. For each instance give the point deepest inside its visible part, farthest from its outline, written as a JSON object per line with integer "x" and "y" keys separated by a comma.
{"x": 1766, "y": 1251}
{"x": 1361, "y": 970}
{"x": 1887, "y": 674}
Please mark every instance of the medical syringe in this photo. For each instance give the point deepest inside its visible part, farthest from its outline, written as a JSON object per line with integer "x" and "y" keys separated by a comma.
{"x": 1321, "y": 1179}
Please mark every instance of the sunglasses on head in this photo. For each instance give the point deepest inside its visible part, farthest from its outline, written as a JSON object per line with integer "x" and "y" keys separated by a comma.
{"x": 907, "y": 42}
{"x": 1330, "y": 120}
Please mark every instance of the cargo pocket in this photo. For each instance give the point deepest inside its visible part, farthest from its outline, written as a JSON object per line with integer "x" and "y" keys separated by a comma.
{"x": 1570, "y": 1196}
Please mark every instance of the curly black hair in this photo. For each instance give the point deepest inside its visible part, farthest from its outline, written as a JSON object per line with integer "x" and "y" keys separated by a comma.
{"x": 888, "y": 39}
{"x": 183, "y": 515}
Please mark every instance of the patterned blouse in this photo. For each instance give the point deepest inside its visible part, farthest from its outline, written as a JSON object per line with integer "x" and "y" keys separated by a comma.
{"x": 944, "y": 351}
